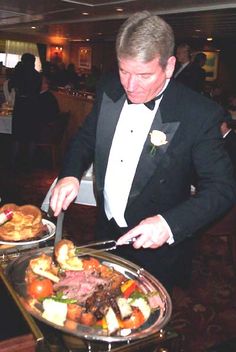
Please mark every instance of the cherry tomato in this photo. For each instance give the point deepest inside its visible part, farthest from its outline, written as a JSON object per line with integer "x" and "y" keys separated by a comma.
{"x": 91, "y": 263}
{"x": 40, "y": 288}
{"x": 135, "y": 320}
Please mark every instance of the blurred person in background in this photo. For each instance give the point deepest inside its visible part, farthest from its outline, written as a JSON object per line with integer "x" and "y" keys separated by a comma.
{"x": 47, "y": 112}
{"x": 231, "y": 105}
{"x": 72, "y": 79}
{"x": 217, "y": 93}
{"x": 92, "y": 79}
{"x": 188, "y": 72}
{"x": 8, "y": 91}
{"x": 47, "y": 108}
{"x": 200, "y": 74}
{"x": 227, "y": 126}
{"x": 26, "y": 82}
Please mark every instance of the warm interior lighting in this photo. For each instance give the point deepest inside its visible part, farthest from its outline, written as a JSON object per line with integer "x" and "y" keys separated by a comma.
{"x": 119, "y": 9}
{"x": 33, "y": 27}
{"x": 85, "y": 13}
{"x": 56, "y": 53}
{"x": 209, "y": 39}
{"x": 58, "y": 48}
{"x": 76, "y": 40}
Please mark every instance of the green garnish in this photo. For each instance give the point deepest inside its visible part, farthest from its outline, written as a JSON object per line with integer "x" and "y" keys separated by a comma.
{"x": 137, "y": 294}
{"x": 59, "y": 298}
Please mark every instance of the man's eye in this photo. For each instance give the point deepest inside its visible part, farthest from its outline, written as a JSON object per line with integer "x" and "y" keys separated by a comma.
{"x": 145, "y": 76}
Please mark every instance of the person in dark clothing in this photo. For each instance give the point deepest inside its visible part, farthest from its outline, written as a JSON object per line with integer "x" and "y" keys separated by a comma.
{"x": 199, "y": 74}
{"x": 47, "y": 106}
{"x": 47, "y": 109}
{"x": 27, "y": 83}
{"x": 229, "y": 137}
{"x": 186, "y": 71}
{"x": 72, "y": 79}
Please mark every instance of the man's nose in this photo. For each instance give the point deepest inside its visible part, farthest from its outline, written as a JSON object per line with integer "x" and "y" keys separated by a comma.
{"x": 131, "y": 84}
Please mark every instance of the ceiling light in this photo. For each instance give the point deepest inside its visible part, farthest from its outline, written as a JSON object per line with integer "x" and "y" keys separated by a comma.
{"x": 209, "y": 39}
{"x": 197, "y": 30}
{"x": 33, "y": 27}
{"x": 87, "y": 40}
{"x": 119, "y": 9}
{"x": 85, "y": 13}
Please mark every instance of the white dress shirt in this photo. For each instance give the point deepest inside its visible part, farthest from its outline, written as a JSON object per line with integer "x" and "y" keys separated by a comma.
{"x": 131, "y": 132}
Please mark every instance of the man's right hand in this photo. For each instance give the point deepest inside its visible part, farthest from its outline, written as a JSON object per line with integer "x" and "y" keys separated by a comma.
{"x": 65, "y": 191}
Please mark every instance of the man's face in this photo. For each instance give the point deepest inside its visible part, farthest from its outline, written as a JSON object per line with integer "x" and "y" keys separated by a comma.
{"x": 143, "y": 81}
{"x": 182, "y": 55}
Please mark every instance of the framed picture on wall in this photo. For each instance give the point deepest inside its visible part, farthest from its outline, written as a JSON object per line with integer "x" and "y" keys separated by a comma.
{"x": 85, "y": 58}
{"x": 211, "y": 65}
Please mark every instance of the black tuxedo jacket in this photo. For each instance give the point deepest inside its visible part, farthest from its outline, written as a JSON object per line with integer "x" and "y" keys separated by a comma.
{"x": 193, "y": 76}
{"x": 162, "y": 183}
{"x": 230, "y": 146}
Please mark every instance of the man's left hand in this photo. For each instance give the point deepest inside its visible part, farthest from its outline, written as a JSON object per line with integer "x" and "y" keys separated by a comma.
{"x": 150, "y": 233}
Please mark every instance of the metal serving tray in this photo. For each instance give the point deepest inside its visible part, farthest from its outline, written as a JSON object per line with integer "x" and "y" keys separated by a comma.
{"x": 15, "y": 272}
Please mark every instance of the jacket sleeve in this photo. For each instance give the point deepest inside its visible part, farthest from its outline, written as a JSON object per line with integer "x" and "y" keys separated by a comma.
{"x": 216, "y": 187}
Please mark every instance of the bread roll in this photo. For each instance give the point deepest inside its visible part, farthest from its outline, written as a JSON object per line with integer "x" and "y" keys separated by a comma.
{"x": 26, "y": 223}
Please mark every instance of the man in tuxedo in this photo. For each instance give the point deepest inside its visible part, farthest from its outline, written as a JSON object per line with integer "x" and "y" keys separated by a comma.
{"x": 227, "y": 126}
{"x": 146, "y": 135}
{"x": 183, "y": 55}
{"x": 187, "y": 71}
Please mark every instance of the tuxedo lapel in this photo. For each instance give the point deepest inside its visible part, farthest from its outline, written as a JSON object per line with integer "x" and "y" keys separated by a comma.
{"x": 108, "y": 119}
{"x": 148, "y": 164}
{"x": 164, "y": 121}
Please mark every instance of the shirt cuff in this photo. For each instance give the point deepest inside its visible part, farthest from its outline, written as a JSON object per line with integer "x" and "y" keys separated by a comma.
{"x": 171, "y": 238}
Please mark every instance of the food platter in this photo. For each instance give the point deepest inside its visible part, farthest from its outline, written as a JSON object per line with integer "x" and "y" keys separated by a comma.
{"x": 15, "y": 273}
{"x": 49, "y": 234}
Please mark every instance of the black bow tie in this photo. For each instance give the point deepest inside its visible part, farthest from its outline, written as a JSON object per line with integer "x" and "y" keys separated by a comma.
{"x": 151, "y": 103}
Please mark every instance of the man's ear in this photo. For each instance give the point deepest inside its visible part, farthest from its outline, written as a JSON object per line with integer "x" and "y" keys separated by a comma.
{"x": 170, "y": 66}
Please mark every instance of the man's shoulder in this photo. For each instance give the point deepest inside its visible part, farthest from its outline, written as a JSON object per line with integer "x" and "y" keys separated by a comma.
{"x": 188, "y": 100}
{"x": 180, "y": 89}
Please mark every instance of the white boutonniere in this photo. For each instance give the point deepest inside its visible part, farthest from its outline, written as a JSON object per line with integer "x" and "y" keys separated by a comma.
{"x": 158, "y": 138}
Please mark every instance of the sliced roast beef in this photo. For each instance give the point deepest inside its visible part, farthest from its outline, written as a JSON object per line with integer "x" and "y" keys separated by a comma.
{"x": 81, "y": 284}
{"x": 100, "y": 300}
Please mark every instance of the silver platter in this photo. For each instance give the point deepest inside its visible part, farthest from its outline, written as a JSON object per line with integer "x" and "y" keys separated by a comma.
{"x": 15, "y": 273}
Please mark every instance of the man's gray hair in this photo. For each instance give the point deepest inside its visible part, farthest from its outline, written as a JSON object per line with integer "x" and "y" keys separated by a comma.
{"x": 143, "y": 37}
